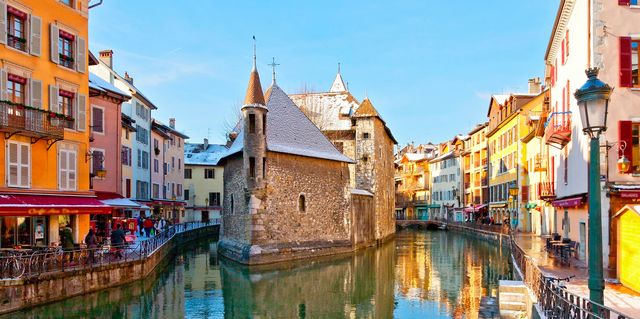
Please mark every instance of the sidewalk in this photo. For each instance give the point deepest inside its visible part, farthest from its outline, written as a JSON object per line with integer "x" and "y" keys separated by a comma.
{"x": 616, "y": 296}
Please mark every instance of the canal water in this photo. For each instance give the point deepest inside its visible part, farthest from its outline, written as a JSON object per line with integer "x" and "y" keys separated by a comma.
{"x": 421, "y": 274}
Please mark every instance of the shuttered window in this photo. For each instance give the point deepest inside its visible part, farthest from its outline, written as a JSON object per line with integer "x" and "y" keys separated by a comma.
{"x": 67, "y": 162}
{"x": 18, "y": 164}
{"x": 97, "y": 119}
{"x": 629, "y": 56}
{"x": 97, "y": 161}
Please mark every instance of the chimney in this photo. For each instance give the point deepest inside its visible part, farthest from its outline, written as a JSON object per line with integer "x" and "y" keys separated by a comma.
{"x": 172, "y": 123}
{"x": 535, "y": 85}
{"x": 128, "y": 78}
{"x": 106, "y": 56}
{"x": 205, "y": 145}
{"x": 232, "y": 137}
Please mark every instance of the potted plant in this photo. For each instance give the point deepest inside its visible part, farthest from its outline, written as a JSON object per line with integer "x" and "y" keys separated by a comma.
{"x": 156, "y": 150}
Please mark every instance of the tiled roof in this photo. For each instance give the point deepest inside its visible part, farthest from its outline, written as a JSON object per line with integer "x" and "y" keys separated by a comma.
{"x": 366, "y": 109}
{"x": 254, "y": 90}
{"x": 290, "y": 131}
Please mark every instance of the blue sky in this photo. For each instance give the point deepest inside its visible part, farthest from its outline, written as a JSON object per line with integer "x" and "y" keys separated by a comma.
{"x": 428, "y": 66}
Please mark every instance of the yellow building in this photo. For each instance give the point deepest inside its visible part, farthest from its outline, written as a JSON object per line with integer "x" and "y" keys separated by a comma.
{"x": 412, "y": 181}
{"x": 474, "y": 170}
{"x": 505, "y": 129}
{"x": 43, "y": 115}
{"x": 203, "y": 181}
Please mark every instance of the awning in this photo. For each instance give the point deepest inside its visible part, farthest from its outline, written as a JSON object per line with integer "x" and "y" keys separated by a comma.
{"x": 162, "y": 202}
{"x": 433, "y": 206}
{"x": 472, "y": 209}
{"x": 498, "y": 205}
{"x": 116, "y": 200}
{"x": 569, "y": 202}
{"x": 34, "y": 205}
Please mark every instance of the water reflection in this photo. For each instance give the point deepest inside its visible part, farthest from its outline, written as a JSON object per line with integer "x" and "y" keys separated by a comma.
{"x": 420, "y": 274}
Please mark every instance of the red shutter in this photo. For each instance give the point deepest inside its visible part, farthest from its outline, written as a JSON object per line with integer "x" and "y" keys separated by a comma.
{"x": 562, "y": 52}
{"x": 566, "y": 42}
{"x": 553, "y": 76}
{"x": 624, "y": 2}
{"x": 624, "y": 134}
{"x": 626, "y": 75}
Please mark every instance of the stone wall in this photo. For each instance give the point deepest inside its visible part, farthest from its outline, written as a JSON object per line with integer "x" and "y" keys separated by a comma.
{"x": 235, "y": 225}
{"x": 324, "y": 184}
{"x": 50, "y": 287}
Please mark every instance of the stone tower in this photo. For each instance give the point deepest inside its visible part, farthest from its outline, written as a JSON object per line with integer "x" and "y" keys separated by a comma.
{"x": 254, "y": 113}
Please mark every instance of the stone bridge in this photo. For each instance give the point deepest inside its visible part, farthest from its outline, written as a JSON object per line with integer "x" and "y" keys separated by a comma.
{"x": 428, "y": 224}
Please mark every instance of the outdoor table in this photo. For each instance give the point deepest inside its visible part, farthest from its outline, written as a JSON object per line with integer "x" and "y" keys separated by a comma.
{"x": 563, "y": 249}
{"x": 553, "y": 243}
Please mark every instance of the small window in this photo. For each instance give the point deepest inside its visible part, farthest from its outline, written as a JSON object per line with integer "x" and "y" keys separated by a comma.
{"x": 365, "y": 159}
{"x": 66, "y": 49}
{"x": 186, "y": 195}
{"x": 231, "y": 206}
{"x": 264, "y": 124}
{"x": 97, "y": 120}
{"x": 252, "y": 166}
{"x": 209, "y": 173}
{"x": 16, "y": 29}
{"x": 252, "y": 123}
{"x": 97, "y": 161}
{"x": 187, "y": 173}
{"x": 365, "y": 135}
{"x": 214, "y": 199}
{"x": 16, "y": 88}
{"x": 302, "y": 203}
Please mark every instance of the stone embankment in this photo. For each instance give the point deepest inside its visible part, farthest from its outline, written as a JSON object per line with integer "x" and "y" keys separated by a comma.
{"x": 46, "y": 287}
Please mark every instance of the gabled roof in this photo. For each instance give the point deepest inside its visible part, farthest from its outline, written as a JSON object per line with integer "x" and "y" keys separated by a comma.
{"x": 290, "y": 131}
{"x": 196, "y": 154}
{"x": 338, "y": 84}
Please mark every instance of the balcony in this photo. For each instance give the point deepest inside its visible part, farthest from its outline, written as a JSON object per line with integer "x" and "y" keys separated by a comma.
{"x": 546, "y": 191}
{"x": 35, "y": 123}
{"x": 558, "y": 129}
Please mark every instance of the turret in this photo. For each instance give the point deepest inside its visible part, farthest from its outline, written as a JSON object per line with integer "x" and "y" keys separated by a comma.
{"x": 254, "y": 113}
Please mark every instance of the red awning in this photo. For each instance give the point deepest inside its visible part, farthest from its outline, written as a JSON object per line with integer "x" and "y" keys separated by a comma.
{"x": 156, "y": 202}
{"x": 569, "y": 202}
{"x": 33, "y": 205}
{"x": 472, "y": 209}
{"x": 630, "y": 193}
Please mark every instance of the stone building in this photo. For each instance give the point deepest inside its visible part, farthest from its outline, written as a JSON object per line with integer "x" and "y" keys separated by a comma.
{"x": 286, "y": 187}
{"x": 359, "y": 132}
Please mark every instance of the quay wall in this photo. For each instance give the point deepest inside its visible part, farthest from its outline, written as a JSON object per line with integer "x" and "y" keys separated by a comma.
{"x": 51, "y": 287}
{"x": 501, "y": 238}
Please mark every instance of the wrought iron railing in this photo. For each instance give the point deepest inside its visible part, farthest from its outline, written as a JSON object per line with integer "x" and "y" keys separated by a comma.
{"x": 24, "y": 263}
{"x": 15, "y": 118}
{"x": 555, "y": 300}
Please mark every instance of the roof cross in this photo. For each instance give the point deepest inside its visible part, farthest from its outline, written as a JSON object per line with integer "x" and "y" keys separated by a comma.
{"x": 273, "y": 65}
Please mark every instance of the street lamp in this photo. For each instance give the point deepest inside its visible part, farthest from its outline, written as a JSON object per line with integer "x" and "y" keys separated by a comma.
{"x": 513, "y": 192}
{"x": 593, "y": 101}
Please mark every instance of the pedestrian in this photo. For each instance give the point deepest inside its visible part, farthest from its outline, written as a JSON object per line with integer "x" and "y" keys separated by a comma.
{"x": 140, "y": 220}
{"x": 148, "y": 225}
{"x": 92, "y": 243}
{"x": 118, "y": 240}
{"x": 67, "y": 242}
{"x": 162, "y": 224}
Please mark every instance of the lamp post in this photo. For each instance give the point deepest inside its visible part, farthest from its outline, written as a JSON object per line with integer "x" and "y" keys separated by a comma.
{"x": 593, "y": 102}
{"x": 513, "y": 192}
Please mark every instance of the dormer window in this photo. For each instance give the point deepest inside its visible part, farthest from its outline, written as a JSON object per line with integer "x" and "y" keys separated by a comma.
{"x": 365, "y": 135}
{"x": 16, "y": 29}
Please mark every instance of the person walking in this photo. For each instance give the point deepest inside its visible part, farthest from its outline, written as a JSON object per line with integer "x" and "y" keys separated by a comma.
{"x": 162, "y": 224}
{"x": 67, "y": 242}
{"x": 118, "y": 240}
{"x": 140, "y": 220}
{"x": 148, "y": 225}
{"x": 92, "y": 243}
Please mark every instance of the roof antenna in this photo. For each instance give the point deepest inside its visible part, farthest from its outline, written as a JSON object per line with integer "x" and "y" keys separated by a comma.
{"x": 273, "y": 66}
{"x": 254, "y": 53}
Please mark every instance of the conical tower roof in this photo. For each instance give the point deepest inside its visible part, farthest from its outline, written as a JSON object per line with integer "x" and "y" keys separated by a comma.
{"x": 254, "y": 94}
{"x": 338, "y": 84}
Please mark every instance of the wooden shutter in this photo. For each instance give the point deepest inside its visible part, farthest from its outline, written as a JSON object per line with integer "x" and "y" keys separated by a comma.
{"x": 626, "y": 75}
{"x": 55, "y": 34}
{"x": 3, "y": 84}
{"x": 12, "y": 174}
{"x": 97, "y": 120}
{"x": 624, "y": 2}
{"x": 566, "y": 43}
{"x": 625, "y": 134}
{"x": 53, "y": 99}
{"x": 81, "y": 55}
{"x": 35, "y": 96}
{"x": 62, "y": 170}
{"x": 562, "y": 56}
{"x": 72, "y": 162}
{"x": 3, "y": 22}
{"x": 25, "y": 180}
{"x": 81, "y": 111}
{"x": 35, "y": 43}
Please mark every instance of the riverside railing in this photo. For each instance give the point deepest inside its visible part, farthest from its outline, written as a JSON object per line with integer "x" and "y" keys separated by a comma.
{"x": 25, "y": 263}
{"x": 554, "y": 299}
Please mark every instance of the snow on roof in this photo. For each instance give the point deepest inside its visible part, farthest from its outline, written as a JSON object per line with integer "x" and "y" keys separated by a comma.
{"x": 329, "y": 110}
{"x": 443, "y": 156}
{"x": 415, "y": 156}
{"x": 290, "y": 131}
{"x": 195, "y": 154}
{"x": 356, "y": 191}
{"x": 102, "y": 85}
{"x": 501, "y": 98}
{"x": 338, "y": 84}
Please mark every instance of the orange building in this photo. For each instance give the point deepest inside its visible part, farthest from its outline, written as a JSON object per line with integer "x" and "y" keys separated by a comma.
{"x": 44, "y": 170}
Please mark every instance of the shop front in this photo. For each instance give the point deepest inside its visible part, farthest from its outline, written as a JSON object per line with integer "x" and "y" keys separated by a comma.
{"x": 171, "y": 210}
{"x": 476, "y": 213}
{"x": 625, "y": 212}
{"x": 37, "y": 220}
{"x": 125, "y": 213}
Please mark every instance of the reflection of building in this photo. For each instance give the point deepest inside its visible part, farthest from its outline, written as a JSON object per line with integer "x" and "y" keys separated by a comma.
{"x": 355, "y": 286}
{"x": 203, "y": 178}
{"x": 412, "y": 181}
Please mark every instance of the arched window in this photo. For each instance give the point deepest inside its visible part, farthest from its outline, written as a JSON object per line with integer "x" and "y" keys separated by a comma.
{"x": 302, "y": 203}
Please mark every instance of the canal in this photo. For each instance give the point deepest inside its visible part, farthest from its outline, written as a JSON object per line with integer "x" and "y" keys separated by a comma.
{"x": 421, "y": 274}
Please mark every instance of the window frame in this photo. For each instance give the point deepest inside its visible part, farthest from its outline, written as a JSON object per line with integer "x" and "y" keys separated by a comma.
{"x": 11, "y": 87}
{"x": 213, "y": 173}
{"x": 66, "y": 172}
{"x": 66, "y": 51}
{"x": 104, "y": 156}
{"x": 93, "y": 124}
{"x": 188, "y": 175}
{"x": 636, "y": 79}
{"x": 12, "y": 41}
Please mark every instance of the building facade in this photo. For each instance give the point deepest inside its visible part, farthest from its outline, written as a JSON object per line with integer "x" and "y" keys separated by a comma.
{"x": 203, "y": 181}
{"x": 44, "y": 98}
{"x": 475, "y": 181}
{"x": 413, "y": 194}
{"x": 445, "y": 184}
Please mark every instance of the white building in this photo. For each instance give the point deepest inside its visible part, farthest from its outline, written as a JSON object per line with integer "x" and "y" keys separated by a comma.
{"x": 139, "y": 109}
{"x": 446, "y": 200}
